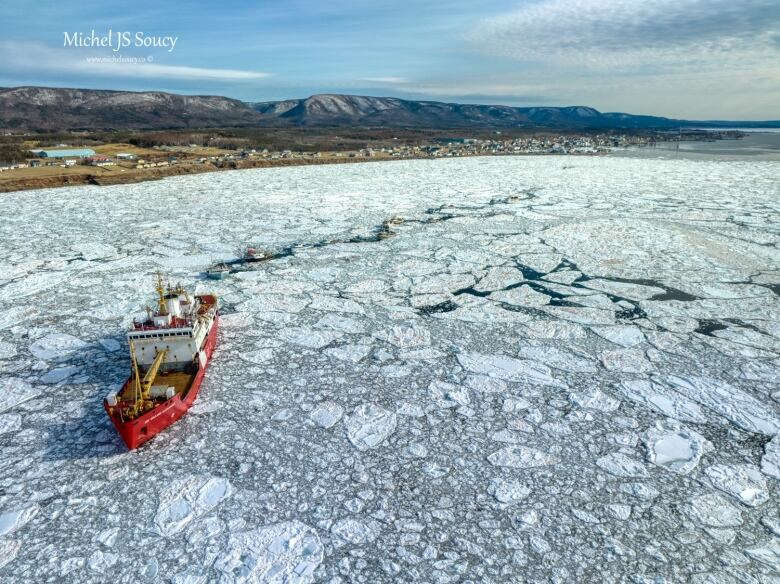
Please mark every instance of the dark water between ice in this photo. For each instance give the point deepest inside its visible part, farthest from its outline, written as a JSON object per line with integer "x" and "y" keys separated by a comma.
{"x": 764, "y": 145}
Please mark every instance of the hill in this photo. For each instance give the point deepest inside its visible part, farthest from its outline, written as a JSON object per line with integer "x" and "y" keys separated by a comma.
{"x": 42, "y": 109}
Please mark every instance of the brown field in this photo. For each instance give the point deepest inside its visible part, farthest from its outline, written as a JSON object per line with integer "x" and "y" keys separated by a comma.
{"x": 114, "y": 149}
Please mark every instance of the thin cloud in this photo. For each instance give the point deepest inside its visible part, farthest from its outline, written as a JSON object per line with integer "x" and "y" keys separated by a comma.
{"x": 605, "y": 33}
{"x": 388, "y": 80}
{"x": 39, "y": 58}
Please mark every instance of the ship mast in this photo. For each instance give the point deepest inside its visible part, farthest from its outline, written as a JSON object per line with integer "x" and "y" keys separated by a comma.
{"x": 162, "y": 309}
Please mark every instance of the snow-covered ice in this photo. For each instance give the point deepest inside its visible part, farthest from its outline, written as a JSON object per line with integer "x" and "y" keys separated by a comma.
{"x": 541, "y": 374}
{"x": 282, "y": 553}
{"x": 675, "y": 448}
{"x": 369, "y": 425}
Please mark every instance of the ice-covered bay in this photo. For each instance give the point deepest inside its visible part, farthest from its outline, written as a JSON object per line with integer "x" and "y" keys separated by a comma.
{"x": 552, "y": 369}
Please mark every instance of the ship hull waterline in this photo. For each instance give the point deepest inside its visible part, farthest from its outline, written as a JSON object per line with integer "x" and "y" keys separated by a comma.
{"x": 140, "y": 430}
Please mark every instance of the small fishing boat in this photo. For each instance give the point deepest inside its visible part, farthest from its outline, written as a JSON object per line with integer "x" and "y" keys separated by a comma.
{"x": 218, "y": 271}
{"x": 255, "y": 255}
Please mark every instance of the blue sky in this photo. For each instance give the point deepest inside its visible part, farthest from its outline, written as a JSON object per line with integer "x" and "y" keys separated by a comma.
{"x": 679, "y": 58}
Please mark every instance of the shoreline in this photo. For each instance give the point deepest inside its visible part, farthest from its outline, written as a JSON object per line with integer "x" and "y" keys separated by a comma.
{"x": 14, "y": 184}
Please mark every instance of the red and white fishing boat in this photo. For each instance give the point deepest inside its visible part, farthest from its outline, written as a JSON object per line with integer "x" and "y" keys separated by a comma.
{"x": 170, "y": 350}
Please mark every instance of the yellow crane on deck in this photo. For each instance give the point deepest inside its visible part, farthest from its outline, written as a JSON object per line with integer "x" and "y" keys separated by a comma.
{"x": 142, "y": 387}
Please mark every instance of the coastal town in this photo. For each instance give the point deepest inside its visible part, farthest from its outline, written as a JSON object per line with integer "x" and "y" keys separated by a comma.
{"x": 60, "y": 164}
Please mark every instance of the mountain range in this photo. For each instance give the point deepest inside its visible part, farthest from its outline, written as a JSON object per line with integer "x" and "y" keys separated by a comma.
{"x": 55, "y": 109}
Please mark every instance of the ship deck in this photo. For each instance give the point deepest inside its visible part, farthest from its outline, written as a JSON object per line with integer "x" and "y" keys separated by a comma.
{"x": 180, "y": 380}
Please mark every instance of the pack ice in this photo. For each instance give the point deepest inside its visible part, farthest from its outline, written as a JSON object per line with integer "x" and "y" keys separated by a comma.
{"x": 537, "y": 369}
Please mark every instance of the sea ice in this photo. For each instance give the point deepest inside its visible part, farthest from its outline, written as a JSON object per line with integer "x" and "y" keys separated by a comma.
{"x": 508, "y": 491}
{"x": 624, "y": 335}
{"x": 770, "y": 461}
{"x": 521, "y": 457}
{"x": 521, "y": 296}
{"x": 675, "y": 448}
{"x": 10, "y": 423}
{"x": 340, "y": 323}
{"x": 350, "y": 353}
{"x": 326, "y": 414}
{"x": 7, "y": 350}
{"x": 662, "y": 399}
{"x": 187, "y": 499}
{"x": 11, "y": 521}
{"x": 626, "y": 361}
{"x": 563, "y": 360}
{"x": 767, "y": 554}
{"x": 714, "y": 511}
{"x": 508, "y": 368}
{"x": 623, "y": 289}
{"x": 743, "y": 482}
{"x": 354, "y": 531}
{"x": 14, "y": 391}
{"x": 309, "y": 337}
{"x": 730, "y": 402}
{"x": 621, "y": 465}
{"x": 369, "y": 425}
{"x": 481, "y": 450}
{"x": 9, "y": 548}
{"x": 406, "y": 336}
{"x": 56, "y": 346}
{"x": 282, "y": 553}
{"x": 449, "y": 395}
{"x": 594, "y": 399}
{"x": 59, "y": 375}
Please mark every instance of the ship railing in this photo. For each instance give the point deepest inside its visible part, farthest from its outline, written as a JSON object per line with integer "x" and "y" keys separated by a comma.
{"x": 174, "y": 324}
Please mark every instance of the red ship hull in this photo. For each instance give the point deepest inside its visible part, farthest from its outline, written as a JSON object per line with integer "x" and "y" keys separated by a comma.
{"x": 143, "y": 428}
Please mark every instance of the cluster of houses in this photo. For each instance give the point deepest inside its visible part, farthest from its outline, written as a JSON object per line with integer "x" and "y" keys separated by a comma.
{"x": 547, "y": 144}
{"x": 564, "y": 144}
{"x": 69, "y": 157}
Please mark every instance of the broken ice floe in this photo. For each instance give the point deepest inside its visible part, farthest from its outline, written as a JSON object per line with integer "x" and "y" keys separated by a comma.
{"x": 355, "y": 531}
{"x": 521, "y": 457}
{"x": 14, "y": 391}
{"x": 626, "y": 361}
{"x": 11, "y": 521}
{"x": 9, "y": 548}
{"x": 594, "y": 399}
{"x": 621, "y": 465}
{"x": 662, "y": 399}
{"x": 350, "y": 353}
{"x": 559, "y": 359}
{"x": 326, "y": 414}
{"x": 675, "y": 448}
{"x": 309, "y": 337}
{"x": 56, "y": 346}
{"x": 508, "y": 368}
{"x": 406, "y": 336}
{"x": 770, "y": 461}
{"x": 187, "y": 499}
{"x": 728, "y": 401}
{"x": 768, "y": 554}
{"x": 508, "y": 491}
{"x": 369, "y": 425}
{"x": 624, "y": 335}
{"x": 286, "y": 552}
{"x": 10, "y": 423}
{"x": 743, "y": 482}
{"x": 713, "y": 511}
{"x": 449, "y": 395}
